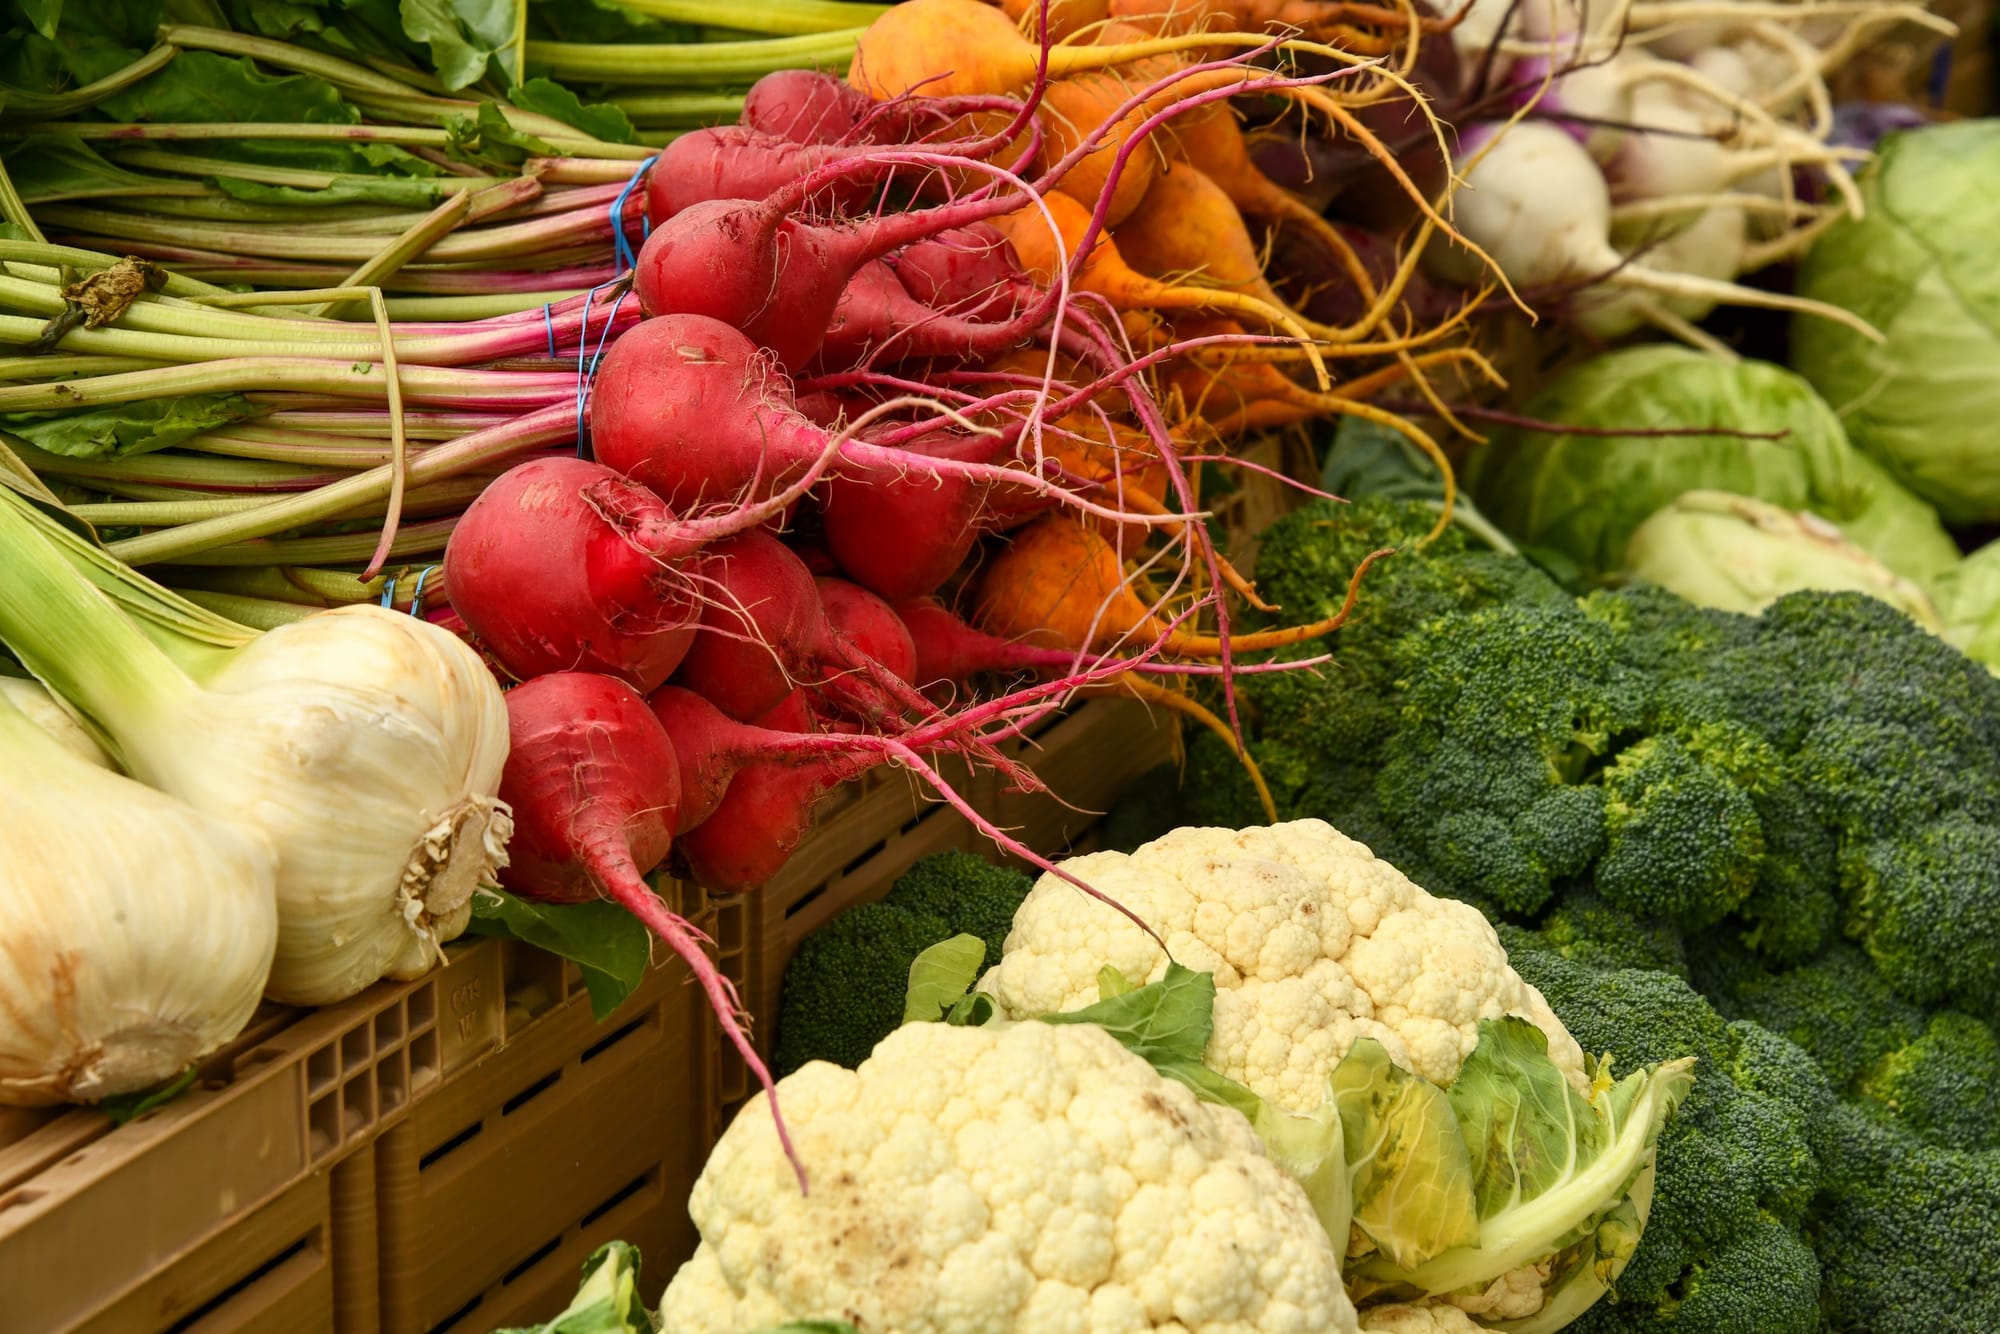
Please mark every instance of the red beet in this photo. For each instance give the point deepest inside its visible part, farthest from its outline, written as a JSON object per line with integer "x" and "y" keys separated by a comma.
{"x": 562, "y": 564}
{"x": 764, "y": 634}
{"x": 868, "y": 623}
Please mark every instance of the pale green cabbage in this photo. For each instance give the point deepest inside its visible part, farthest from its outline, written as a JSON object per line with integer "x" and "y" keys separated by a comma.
{"x": 1897, "y": 527}
{"x": 1573, "y": 500}
{"x": 1738, "y": 554}
{"x": 1970, "y": 600}
{"x": 1921, "y": 266}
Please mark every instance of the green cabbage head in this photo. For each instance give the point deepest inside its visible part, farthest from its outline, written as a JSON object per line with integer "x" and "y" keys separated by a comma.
{"x": 1920, "y": 266}
{"x": 1574, "y": 499}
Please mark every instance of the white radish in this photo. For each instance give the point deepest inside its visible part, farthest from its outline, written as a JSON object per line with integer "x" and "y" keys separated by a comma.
{"x": 1712, "y": 247}
{"x": 1534, "y": 200}
{"x": 1594, "y": 89}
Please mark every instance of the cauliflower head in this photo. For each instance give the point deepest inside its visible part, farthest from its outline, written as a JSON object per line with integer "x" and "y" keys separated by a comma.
{"x": 1008, "y": 1179}
{"x": 1313, "y": 941}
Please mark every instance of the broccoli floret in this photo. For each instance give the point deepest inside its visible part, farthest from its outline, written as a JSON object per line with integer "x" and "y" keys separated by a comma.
{"x": 970, "y": 894}
{"x": 1304, "y": 561}
{"x": 1216, "y": 791}
{"x": 1908, "y": 1233}
{"x": 1766, "y": 1279}
{"x": 1944, "y": 1087}
{"x": 1935, "y": 1073}
{"x": 1684, "y": 841}
{"x": 1722, "y": 1251}
{"x": 1504, "y": 711}
{"x": 1926, "y": 907}
{"x": 1586, "y": 929}
{"x": 1837, "y": 1008}
{"x": 844, "y": 987}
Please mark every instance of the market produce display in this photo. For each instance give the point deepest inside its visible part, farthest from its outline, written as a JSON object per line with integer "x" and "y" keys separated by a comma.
{"x": 495, "y": 470}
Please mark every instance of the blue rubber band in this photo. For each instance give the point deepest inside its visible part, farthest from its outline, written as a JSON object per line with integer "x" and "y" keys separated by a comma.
{"x": 417, "y": 597}
{"x": 582, "y": 370}
{"x": 621, "y": 248}
{"x": 389, "y": 593}
{"x": 584, "y": 373}
{"x": 549, "y": 323}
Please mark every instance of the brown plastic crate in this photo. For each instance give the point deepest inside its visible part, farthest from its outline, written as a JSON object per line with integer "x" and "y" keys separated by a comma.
{"x": 221, "y": 1210}
{"x": 491, "y": 1193}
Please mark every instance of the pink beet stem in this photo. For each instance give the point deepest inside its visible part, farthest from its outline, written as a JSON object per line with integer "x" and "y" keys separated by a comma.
{"x": 612, "y": 864}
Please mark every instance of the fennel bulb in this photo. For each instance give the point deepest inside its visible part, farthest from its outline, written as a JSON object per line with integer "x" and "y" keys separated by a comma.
{"x": 366, "y": 744}
{"x": 135, "y": 931}
{"x": 45, "y": 712}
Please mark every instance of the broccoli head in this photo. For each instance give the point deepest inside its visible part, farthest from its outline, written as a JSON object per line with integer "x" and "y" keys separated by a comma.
{"x": 1944, "y": 1087}
{"x": 1837, "y": 1008}
{"x": 844, "y": 987}
{"x": 1892, "y": 738}
{"x": 1722, "y": 1252}
{"x": 1504, "y": 712}
{"x": 1586, "y": 929}
{"x": 1925, "y": 903}
{"x": 1908, "y": 1232}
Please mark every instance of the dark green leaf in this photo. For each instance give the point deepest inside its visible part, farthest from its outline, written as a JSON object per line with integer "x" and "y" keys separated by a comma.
{"x": 1167, "y": 1022}
{"x": 356, "y": 158}
{"x": 1368, "y": 459}
{"x": 609, "y": 944}
{"x": 123, "y": 429}
{"x": 397, "y": 191}
{"x": 44, "y": 14}
{"x": 462, "y": 35}
{"x": 600, "y": 120}
{"x": 491, "y": 137}
{"x": 131, "y": 1106}
{"x": 126, "y": 22}
{"x": 204, "y": 86}
{"x": 495, "y": 128}
{"x": 973, "y": 1010}
{"x": 1171, "y": 1018}
{"x": 49, "y": 167}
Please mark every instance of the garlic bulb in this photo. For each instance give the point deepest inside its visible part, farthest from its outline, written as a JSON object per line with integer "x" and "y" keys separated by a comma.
{"x": 135, "y": 931}
{"x": 366, "y": 745}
